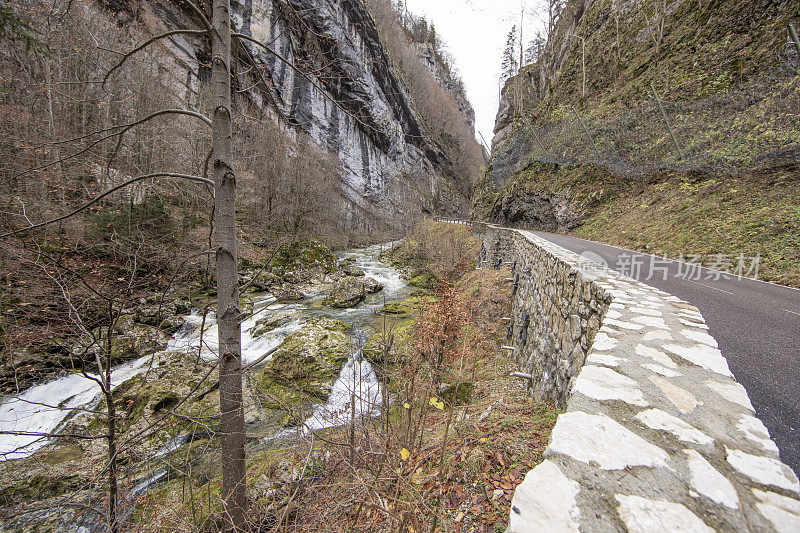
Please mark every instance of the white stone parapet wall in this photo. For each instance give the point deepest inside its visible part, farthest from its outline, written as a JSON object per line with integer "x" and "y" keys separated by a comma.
{"x": 656, "y": 433}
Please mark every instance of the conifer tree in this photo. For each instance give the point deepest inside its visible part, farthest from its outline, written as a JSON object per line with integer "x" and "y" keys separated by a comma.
{"x": 510, "y": 65}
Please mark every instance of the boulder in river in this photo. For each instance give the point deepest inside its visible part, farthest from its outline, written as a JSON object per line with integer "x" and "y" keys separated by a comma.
{"x": 302, "y": 371}
{"x": 352, "y": 270}
{"x": 288, "y": 295}
{"x": 372, "y": 286}
{"x": 171, "y": 325}
{"x": 261, "y": 281}
{"x": 141, "y": 340}
{"x": 348, "y": 292}
{"x": 300, "y": 261}
{"x": 272, "y": 321}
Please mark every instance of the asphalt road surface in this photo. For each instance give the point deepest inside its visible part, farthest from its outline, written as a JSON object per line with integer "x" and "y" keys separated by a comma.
{"x": 756, "y": 324}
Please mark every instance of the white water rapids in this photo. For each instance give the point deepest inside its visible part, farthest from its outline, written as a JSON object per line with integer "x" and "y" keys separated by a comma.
{"x": 28, "y": 418}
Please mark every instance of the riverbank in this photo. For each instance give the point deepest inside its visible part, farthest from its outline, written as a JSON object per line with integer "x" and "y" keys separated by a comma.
{"x": 449, "y": 440}
{"x": 384, "y": 414}
{"x": 53, "y": 435}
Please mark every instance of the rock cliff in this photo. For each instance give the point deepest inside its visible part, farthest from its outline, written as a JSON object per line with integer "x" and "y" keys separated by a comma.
{"x": 632, "y": 99}
{"x": 340, "y": 89}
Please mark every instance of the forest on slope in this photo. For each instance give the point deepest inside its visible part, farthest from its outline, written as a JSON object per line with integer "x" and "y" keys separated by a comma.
{"x": 669, "y": 127}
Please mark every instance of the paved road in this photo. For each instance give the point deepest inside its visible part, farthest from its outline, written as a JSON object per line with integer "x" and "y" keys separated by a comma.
{"x": 757, "y": 326}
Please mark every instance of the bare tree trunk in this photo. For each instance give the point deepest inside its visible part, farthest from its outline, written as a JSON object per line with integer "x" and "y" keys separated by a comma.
{"x": 113, "y": 523}
{"x": 230, "y": 350}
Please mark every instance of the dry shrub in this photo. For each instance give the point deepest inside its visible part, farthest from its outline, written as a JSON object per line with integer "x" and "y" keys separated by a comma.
{"x": 445, "y": 250}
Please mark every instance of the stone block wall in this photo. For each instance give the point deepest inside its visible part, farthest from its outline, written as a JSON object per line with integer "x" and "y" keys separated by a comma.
{"x": 555, "y": 316}
{"x": 656, "y": 433}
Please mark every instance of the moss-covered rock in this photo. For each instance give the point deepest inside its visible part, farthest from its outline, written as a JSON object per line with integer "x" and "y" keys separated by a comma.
{"x": 303, "y": 260}
{"x": 39, "y": 487}
{"x": 302, "y": 371}
{"x": 423, "y": 280}
{"x": 155, "y": 309}
{"x": 407, "y": 306}
{"x": 182, "y": 305}
{"x": 372, "y": 286}
{"x": 288, "y": 295}
{"x": 460, "y": 394}
{"x": 171, "y": 325}
{"x": 347, "y": 293}
{"x": 140, "y": 341}
{"x": 394, "y": 336}
{"x": 352, "y": 270}
{"x": 272, "y": 321}
{"x": 260, "y": 281}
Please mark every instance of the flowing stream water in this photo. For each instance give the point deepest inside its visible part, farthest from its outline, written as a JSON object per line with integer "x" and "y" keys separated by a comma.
{"x": 27, "y": 418}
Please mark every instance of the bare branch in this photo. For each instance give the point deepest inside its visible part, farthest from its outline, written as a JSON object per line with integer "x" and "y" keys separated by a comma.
{"x": 144, "y": 45}
{"x": 125, "y": 129}
{"x": 113, "y": 189}
{"x": 199, "y": 13}
{"x": 176, "y": 111}
{"x": 52, "y": 435}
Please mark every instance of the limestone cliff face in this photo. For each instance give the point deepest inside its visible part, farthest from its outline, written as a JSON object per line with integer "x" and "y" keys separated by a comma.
{"x": 348, "y": 100}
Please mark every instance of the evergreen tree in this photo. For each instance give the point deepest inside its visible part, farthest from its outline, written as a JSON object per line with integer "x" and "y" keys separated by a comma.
{"x": 510, "y": 65}
{"x": 535, "y": 49}
{"x": 433, "y": 39}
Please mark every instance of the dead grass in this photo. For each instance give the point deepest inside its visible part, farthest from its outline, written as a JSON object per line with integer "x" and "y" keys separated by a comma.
{"x": 444, "y": 250}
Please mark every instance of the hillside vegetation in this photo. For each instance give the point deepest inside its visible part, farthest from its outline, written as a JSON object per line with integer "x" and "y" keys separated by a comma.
{"x": 684, "y": 139}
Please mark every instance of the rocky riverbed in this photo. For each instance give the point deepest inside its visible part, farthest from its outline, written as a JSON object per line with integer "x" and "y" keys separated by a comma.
{"x": 305, "y": 317}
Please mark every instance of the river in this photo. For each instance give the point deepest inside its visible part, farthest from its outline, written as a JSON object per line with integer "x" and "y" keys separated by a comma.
{"x": 27, "y": 418}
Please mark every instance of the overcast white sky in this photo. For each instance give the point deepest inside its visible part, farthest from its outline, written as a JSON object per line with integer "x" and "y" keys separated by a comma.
{"x": 475, "y": 32}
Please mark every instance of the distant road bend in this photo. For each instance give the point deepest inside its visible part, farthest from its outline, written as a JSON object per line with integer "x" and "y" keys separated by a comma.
{"x": 756, "y": 324}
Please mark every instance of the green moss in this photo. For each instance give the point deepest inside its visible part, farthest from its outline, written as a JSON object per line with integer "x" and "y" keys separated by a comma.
{"x": 424, "y": 280}
{"x": 406, "y": 306}
{"x": 347, "y": 293}
{"x": 306, "y": 364}
{"x": 64, "y": 454}
{"x": 302, "y": 255}
{"x": 461, "y": 394}
{"x": 39, "y": 487}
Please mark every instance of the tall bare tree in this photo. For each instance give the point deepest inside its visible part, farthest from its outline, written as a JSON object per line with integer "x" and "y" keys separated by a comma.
{"x": 230, "y": 333}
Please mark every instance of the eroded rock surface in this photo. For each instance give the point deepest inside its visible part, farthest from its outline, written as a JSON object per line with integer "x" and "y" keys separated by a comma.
{"x": 348, "y": 292}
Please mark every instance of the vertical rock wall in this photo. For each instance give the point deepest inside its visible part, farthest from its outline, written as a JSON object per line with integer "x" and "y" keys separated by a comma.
{"x": 350, "y": 101}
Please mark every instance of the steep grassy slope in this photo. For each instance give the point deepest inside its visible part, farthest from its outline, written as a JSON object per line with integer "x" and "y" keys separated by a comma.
{"x": 672, "y": 215}
{"x": 728, "y": 83}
